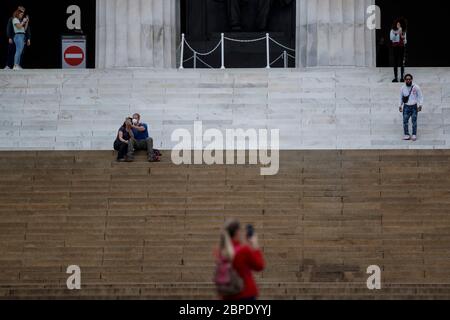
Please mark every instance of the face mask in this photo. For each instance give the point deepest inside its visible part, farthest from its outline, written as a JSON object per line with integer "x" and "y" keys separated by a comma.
{"x": 409, "y": 84}
{"x": 135, "y": 122}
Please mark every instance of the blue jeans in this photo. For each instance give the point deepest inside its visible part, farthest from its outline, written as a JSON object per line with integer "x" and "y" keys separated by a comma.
{"x": 19, "y": 40}
{"x": 410, "y": 112}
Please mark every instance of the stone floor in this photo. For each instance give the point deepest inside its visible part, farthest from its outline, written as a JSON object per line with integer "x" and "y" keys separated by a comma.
{"x": 318, "y": 108}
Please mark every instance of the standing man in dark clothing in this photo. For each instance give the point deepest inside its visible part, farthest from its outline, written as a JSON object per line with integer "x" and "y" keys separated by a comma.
{"x": 11, "y": 45}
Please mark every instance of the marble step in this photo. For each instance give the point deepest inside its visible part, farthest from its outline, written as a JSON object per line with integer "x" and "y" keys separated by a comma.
{"x": 327, "y": 108}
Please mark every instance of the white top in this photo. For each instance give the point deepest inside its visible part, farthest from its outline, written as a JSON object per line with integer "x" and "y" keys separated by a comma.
{"x": 395, "y": 37}
{"x": 17, "y": 30}
{"x": 416, "y": 95}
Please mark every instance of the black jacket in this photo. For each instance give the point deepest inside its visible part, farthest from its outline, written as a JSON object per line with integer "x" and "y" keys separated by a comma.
{"x": 10, "y": 31}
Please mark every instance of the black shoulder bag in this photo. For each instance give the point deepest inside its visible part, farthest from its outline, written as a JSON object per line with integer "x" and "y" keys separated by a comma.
{"x": 406, "y": 99}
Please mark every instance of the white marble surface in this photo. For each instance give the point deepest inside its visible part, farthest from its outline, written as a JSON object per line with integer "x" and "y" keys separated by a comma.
{"x": 314, "y": 108}
{"x": 334, "y": 33}
{"x": 133, "y": 33}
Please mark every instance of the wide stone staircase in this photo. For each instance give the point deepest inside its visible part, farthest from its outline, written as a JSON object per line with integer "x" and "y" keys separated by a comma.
{"x": 329, "y": 108}
{"x": 148, "y": 231}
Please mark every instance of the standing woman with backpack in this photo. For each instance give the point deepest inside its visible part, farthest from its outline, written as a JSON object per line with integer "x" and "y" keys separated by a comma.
{"x": 236, "y": 262}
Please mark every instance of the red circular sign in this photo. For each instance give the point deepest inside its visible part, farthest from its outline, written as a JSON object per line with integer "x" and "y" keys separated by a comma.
{"x": 74, "y": 56}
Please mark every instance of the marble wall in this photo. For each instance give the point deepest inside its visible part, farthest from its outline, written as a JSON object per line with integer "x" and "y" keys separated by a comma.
{"x": 144, "y": 33}
{"x": 136, "y": 33}
{"x": 334, "y": 33}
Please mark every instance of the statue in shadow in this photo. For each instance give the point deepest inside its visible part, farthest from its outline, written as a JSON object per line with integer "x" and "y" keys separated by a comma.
{"x": 263, "y": 10}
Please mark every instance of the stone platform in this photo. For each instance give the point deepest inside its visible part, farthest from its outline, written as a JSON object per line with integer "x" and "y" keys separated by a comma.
{"x": 326, "y": 108}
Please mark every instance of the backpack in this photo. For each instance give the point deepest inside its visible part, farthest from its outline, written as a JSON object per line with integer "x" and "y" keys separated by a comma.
{"x": 157, "y": 153}
{"x": 227, "y": 280}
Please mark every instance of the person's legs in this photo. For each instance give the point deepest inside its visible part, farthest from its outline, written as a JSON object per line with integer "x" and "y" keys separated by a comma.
{"x": 396, "y": 62}
{"x": 117, "y": 145}
{"x": 123, "y": 150}
{"x": 11, "y": 53}
{"x": 19, "y": 40}
{"x": 402, "y": 62}
{"x": 406, "y": 116}
{"x": 140, "y": 145}
{"x": 146, "y": 145}
{"x": 130, "y": 149}
{"x": 414, "y": 116}
{"x": 151, "y": 154}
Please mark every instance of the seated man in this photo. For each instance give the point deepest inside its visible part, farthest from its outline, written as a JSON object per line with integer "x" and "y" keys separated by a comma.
{"x": 141, "y": 140}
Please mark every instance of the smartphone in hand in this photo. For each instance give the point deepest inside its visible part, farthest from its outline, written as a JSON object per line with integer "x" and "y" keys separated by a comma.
{"x": 250, "y": 231}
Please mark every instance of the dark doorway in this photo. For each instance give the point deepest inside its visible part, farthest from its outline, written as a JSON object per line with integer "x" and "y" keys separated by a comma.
{"x": 427, "y": 32}
{"x": 202, "y": 21}
{"x": 48, "y": 24}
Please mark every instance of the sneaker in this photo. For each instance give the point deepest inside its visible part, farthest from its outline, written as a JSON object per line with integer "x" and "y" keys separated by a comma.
{"x": 17, "y": 67}
{"x": 407, "y": 138}
{"x": 7, "y": 68}
{"x": 121, "y": 160}
{"x": 395, "y": 80}
{"x": 414, "y": 138}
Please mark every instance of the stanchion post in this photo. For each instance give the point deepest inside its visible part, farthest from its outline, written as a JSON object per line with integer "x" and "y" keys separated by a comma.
{"x": 222, "y": 36}
{"x": 182, "y": 51}
{"x": 268, "y": 50}
{"x": 285, "y": 57}
{"x": 195, "y": 60}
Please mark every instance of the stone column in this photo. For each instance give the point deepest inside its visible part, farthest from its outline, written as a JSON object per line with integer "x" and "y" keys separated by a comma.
{"x": 334, "y": 33}
{"x": 136, "y": 33}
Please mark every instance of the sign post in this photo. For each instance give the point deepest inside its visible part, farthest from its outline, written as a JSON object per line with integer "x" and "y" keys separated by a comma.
{"x": 73, "y": 52}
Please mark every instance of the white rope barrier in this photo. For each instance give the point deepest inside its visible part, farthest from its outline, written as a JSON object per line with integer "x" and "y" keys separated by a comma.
{"x": 205, "y": 53}
{"x": 291, "y": 56}
{"x": 281, "y": 56}
{"x": 205, "y": 63}
{"x": 221, "y": 44}
{"x": 184, "y": 61}
{"x": 283, "y": 46}
{"x": 245, "y": 41}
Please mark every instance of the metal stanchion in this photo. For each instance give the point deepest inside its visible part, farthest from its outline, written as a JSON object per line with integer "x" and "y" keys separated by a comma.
{"x": 182, "y": 51}
{"x": 223, "y": 51}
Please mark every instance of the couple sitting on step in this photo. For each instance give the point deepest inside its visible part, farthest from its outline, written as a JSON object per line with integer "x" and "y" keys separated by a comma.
{"x": 132, "y": 136}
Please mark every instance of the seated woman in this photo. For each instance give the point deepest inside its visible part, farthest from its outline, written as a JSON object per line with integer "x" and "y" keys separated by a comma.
{"x": 123, "y": 140}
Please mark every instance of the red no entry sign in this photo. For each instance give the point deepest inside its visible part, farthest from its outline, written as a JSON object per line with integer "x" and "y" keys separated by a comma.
{"x": 74, "y": 56}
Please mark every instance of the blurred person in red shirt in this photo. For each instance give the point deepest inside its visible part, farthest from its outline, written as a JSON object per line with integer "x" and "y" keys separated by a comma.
{"x": 242, "y": 258}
